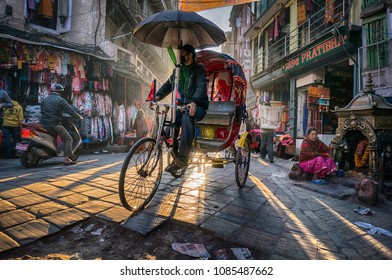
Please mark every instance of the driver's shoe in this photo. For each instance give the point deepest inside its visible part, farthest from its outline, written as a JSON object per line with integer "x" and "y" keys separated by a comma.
{"x": 68, "y": 161}
{"x": 176, "y": 168}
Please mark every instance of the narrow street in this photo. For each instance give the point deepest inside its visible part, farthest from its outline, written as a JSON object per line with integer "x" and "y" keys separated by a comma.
{"x": 273, "y": 216}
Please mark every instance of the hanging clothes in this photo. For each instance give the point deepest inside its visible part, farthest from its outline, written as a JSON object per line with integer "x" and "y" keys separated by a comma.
{"x": 45, "y": 9}
{"x": 271, "y": 33}
{"x": 282, "y": 17}
{"x": 276, "y": 28}
{"x": 308, "y": 5}
{"x": 301, "y": 13}
{"x": 62, "y": 11}
{"x": 329, "y": 11}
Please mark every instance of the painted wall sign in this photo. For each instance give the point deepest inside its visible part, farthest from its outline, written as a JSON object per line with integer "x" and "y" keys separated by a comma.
{"x": 315, "y": 52}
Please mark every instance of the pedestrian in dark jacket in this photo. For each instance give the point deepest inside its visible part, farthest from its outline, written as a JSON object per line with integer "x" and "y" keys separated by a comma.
{"x": 52, "y": 109}
{"x": 192, "y": 89}
{"x": 5, "y": 102}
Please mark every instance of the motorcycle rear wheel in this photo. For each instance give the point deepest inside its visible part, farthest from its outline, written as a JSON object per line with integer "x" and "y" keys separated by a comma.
{"x": 29, "y": 159}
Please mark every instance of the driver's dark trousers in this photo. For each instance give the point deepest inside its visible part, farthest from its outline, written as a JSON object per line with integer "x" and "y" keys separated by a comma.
{"x": 187, "y": 124}
{"x": 66, "y": 138}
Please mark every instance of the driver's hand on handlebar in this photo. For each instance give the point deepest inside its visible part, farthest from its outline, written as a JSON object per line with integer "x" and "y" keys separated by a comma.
{"x": 192, "y": 109}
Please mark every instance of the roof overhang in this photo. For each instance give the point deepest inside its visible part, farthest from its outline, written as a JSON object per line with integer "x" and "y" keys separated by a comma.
{"x": 42, "y": 39}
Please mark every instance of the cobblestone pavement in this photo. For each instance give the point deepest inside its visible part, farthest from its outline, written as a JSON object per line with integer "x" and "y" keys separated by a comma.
{"x": 289, "y": 219}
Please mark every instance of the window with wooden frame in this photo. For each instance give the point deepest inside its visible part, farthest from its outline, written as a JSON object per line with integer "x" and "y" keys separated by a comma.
{"x": 376, "y": 29}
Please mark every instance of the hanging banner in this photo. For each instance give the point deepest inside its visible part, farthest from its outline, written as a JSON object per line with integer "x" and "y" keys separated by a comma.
{"x": 201, "y": 5}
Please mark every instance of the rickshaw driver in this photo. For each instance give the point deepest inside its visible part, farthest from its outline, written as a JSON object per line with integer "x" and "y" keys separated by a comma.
{"x": 193, "y": 93}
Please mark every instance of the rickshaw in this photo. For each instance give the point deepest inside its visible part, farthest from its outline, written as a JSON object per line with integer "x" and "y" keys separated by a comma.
{"x": 218, "y": 136}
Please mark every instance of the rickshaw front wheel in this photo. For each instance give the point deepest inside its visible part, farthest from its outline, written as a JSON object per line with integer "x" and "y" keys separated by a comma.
{"x": 140, "y": 174}
{"x": 242, "y": 161}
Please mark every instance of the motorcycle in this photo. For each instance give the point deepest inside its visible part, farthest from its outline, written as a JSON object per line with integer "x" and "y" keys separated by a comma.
{"x": 39, "y": 144}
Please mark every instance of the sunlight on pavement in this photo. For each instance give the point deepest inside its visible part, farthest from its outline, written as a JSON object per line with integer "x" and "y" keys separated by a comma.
{"x": 263, "y": 162}
{"x": 366, "y": 238}
{"x": 184, "y": 202}
{"x": 13, "y": 178}
{"x": 90, "y": 171}
{"x": 88, "y": 161}
{"x": 306, "y": 238}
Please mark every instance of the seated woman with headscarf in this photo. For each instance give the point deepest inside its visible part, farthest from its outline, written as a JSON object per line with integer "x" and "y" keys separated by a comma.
{"x": 314, "y": 157}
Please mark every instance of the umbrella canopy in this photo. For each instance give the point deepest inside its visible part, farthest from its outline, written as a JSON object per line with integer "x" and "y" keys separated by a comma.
{"x": 176, "y": 27}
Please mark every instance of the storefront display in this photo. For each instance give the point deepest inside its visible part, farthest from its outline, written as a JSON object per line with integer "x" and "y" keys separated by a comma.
{"x": 28, "y": 70}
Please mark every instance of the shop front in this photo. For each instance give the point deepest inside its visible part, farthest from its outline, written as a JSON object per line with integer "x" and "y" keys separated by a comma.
{"x": 108, "y": 99}
{"x": 322, "y": 77}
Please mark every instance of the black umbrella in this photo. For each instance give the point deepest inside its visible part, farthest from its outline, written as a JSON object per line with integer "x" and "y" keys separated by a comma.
{"x": 175, "y": 28}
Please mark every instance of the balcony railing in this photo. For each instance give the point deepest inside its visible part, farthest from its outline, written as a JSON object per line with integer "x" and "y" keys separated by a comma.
{"x": 313, "y": 28}
{"x": 371, "y": 3}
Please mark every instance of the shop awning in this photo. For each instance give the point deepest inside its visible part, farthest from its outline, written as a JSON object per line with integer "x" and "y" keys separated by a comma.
{"x": 42, "y": 39}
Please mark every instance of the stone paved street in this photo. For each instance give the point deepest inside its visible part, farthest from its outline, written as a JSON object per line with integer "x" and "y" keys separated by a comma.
{"x": 289, "y": 219}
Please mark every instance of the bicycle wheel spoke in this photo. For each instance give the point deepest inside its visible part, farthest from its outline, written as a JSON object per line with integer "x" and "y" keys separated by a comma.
{"x": 140, "y": 174}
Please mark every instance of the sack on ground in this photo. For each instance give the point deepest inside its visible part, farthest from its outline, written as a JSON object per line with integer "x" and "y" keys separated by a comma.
{"x": 295, "y": 172}
{"x": 366, "y": 191}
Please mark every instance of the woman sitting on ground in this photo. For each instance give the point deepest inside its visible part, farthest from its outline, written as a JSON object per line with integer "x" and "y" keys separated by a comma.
{"x": 315, "y": 158}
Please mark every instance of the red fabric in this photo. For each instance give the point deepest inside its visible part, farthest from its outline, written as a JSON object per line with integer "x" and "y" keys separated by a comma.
{"x": 311, "y": 149}
{"x": 151, "y": 95}
{"x": 320, "y": 165}
{"x": 223, "y": 93}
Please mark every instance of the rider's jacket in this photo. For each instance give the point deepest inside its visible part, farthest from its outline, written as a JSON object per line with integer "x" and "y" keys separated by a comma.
{"x": 192, "y": 85}
{"x": 52, "y": 109}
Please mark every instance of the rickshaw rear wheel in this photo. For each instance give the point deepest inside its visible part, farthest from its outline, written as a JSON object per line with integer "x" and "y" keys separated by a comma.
{"x": 242, "y": 161}
{"x": 140, "y": 174}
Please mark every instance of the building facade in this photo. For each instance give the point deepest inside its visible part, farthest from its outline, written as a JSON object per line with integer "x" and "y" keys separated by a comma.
{"x": 304, "y": 57}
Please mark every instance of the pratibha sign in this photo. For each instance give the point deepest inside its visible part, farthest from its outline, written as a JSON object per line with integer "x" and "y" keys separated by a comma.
{"x": 315, "y": 52}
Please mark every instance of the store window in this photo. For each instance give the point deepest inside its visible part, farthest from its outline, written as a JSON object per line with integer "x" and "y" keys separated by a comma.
{"x": 49, "y": 15}
{"x": 376, "y": 30}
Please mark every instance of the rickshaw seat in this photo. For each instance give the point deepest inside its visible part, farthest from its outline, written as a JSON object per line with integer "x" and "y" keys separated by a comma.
{"x": 219, "y": 113}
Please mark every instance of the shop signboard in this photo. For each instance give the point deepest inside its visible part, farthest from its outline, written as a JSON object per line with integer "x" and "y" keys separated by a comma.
{"x": 321, "y": 50}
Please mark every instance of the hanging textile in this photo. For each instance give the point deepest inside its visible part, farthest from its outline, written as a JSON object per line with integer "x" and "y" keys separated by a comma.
{"x": 282, "y": 17}
{"x": 308, "y": 5}
{"x": 301, "y": 13}
{"x": 329, "y": 11}
{"x": 271, "y": 33}
{"x": 276, "y": 29}
{"x": 45, "y": 9}
{"x": 62, "y": 11}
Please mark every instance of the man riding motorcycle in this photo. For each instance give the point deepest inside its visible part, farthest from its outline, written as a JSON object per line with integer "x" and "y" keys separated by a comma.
{"x": 52, "y": 109}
